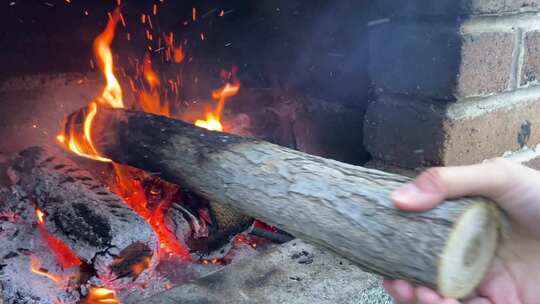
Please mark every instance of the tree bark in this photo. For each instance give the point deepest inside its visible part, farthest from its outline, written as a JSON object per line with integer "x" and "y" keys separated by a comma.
{"x": 341, "y": 207}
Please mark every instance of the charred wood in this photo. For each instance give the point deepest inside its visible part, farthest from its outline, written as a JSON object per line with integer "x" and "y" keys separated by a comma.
{"x": 335, "y": 205}
{"x": 277, "y": 236}
{"x": 29, "y": 271}
{"x": 94, "y": 223}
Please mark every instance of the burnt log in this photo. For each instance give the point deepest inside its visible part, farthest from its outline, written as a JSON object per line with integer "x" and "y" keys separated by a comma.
{"x": 342, "y": 207}
{"x": 29, "y": 270}
{"x": 94, "y": 223}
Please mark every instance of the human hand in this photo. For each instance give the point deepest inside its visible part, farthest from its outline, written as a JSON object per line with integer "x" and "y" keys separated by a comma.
{"x": 514, "y": 274}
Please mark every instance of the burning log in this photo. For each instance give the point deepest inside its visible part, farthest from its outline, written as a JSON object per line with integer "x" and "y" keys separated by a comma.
{"x": 335, "y": 205}
{"x": 79, "y": 214}
{"x": 226, "y": 222}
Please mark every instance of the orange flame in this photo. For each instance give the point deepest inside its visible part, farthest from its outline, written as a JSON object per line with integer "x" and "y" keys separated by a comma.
{"x": 112, "y": 93}
{"x": 213, "y": 120}
{"x": 35, "y": 267}
{"x": 81, "y": 143}
{"x": 210, "y": 123}
{"x": 149, "y": 100}
{"x": 100, "y": 295}
{"x": 40, "y": 216}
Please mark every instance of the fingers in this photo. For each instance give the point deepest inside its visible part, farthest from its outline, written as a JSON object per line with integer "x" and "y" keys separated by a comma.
{"x": 406, "y": 293}
{"x": 424, "y": 193}
{"x": 478, "y": 301}
{"x": 427, "y": 296}
{"x": 400, "y": 290}
{"x": 489, "y": 179}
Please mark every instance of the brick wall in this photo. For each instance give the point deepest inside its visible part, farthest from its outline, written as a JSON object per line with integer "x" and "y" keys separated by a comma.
{"x": 456, "y": 82}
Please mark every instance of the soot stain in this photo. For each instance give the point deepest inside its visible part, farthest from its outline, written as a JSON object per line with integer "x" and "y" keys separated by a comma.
{"x": 83, "y": 224}
{"x": 524, "y": 134}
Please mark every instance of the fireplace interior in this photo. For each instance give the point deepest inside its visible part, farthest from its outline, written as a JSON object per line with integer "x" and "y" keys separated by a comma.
{"x": 79, "y": 228}
{"x": 166, "y": 151}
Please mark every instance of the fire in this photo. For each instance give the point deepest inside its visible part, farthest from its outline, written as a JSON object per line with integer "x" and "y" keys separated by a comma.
{"x": 63, "y": 254}
{"x": 81, "y": 143}
{"x": 100, "y": 295}
{"x": 35, "y": 267}
{"x": 178, "y": 54}
{"x": 138, "y": 268}
{"x": 40, "y": 216}
{"x": 211, "y": 123}
{"x": 149, "y": 100}
{"x": 177, "y": 51}
{"x": 79, "y": 137}
{"x": 112, "y": 93}
{"x": 137, "y": 200}
{"x": 213, "y": 119}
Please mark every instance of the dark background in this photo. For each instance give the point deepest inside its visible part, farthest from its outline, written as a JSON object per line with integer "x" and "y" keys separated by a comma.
{"x": 320, "y": 47}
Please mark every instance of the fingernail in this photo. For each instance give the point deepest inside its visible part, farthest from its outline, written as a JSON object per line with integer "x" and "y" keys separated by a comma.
{"x": 406, "y": 193}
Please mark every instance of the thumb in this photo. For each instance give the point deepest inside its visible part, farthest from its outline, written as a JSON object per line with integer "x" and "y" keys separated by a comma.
{"x": 489, "y": 179}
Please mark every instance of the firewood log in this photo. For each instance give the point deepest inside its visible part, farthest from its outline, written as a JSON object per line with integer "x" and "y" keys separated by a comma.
{"x": 93, "y": 222}
{"x": 335, "y": 205}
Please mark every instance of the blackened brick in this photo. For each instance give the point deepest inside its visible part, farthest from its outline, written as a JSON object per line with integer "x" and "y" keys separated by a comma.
{"x": 436, "y": 61}
{"x": 409, "y": 133}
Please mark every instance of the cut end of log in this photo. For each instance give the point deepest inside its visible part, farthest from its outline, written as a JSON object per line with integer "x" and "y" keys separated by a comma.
{"x": 469, "y": 250}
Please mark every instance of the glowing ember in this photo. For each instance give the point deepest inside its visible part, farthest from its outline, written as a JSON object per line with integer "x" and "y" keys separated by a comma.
{"x": 138, "y": 268}
{"x": 137, "y": 200}
{"x": 99, "y": 295}
{"x": 178, "y": 54}
{"x": 63, "y": 254}
{"x": 9, "y": 216}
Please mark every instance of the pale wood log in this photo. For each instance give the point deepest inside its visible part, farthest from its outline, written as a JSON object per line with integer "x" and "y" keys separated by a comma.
{"x": 341, "y": 207}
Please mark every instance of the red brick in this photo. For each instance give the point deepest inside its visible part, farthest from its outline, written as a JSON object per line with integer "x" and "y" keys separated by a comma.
{"x": 453, "y": 8}
{"x": 530, "y": 70}
{"x": 486, "y": 62}
{"x": 499, "y": 6}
